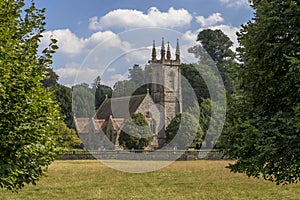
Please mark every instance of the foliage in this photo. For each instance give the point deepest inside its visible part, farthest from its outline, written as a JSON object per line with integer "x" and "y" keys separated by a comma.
{"x": 83, "y": 101}
{"x": 135, "y": 133}
{"x": 66, "y": 137}
{"x": 63, "y": 95}
{"x": 51, "y": 80}
{"x": 215, "y": 49}
{"x": 210, "y": 123}
{"x": 192, "y": 81}
{"x": 263, "y": 129}
{"x": 29, "y": 114}
{"x": 124, "y": 88}
{"x": 182, "y": 130}
{"x": 136, "y": 74}
{"x": 139, "y": 81}
{"x": 101, "y": 92}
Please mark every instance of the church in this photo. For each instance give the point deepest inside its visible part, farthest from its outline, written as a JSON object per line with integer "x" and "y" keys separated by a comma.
{"x": 158, "y": 108}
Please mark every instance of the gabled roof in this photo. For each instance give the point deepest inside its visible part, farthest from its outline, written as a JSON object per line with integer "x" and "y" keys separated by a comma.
{"x": 116, "y": 122}
{"x": 88, "y": 125}
{"x": 99, "y": 124}
{"x": 82, "y": 125}
{"x": 118, "y": 107}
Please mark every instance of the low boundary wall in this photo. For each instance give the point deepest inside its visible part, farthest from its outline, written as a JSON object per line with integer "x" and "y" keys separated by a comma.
{"x": 144, "y": 155}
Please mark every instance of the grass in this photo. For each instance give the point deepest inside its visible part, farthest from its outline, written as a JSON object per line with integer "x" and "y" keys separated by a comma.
{"x": 181, "y": 180}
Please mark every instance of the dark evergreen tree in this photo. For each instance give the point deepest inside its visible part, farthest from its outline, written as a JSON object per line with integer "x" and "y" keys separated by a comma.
{"x": 263, "y": 133}
{"x": 101, "y": 92}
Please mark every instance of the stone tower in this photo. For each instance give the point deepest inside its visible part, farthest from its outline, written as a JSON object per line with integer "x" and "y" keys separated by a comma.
{"x": 166, "y": 85}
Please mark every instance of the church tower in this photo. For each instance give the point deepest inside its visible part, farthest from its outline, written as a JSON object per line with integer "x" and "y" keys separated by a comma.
{"x": 166, "y": 85}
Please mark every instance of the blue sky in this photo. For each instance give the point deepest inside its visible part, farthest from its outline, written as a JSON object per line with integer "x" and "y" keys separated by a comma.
{"x": 100, "y": 37}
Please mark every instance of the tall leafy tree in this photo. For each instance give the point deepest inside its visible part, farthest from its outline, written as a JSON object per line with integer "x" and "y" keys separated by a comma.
{"x": 215, "y": 49}
{"x": 63, "y": 95}
{"x": 263, "y": 133}
{"x": 29, "y": 114}
{"x": 192, "y": 82}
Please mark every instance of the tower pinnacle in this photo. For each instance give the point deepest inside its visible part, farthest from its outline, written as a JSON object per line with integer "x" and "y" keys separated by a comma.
{"x": 168, "y": 52}
{"x": 153, "y": 52}
{"x": 177, "y": 51}
{"x": 163, "y": 51}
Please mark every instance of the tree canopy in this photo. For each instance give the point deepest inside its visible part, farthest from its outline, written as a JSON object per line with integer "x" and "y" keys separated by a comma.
{"x": 29, "y": 114}
{"x": 214, "y": 49}
{"x": 263, "y": 130}
{"x": 184, "y": 131}
{"x": 83, "y": 100}
{"x": 139, "y": 81}
{"x": 135, "y": 133}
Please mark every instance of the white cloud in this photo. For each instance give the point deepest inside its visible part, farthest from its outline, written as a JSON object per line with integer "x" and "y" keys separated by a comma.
{"x": 211, "y": 20}
{"x": 138, "y": 56}
{"x": 93, "y": 23}
{"x": 125, "y": 18}
{"x": 115, "y": 78}
{"x": 235, "y": 3}
{"x": 70, "y": 70}
{"x": 73, "y": 73}
{"x": 70, "y": 44}
{"x": 189, "y": 36}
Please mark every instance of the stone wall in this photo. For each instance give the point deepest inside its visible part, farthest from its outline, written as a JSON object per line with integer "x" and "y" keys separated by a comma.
{"x": 144, "y": 155}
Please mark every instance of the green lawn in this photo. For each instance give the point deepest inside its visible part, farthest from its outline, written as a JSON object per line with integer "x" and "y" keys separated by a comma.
{"x": 181, "y": 180}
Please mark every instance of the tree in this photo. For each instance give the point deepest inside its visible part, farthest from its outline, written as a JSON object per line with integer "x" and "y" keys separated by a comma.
{"x": 263, "y": 130}
{"x": 210, "y": 124}
{"x": 124, "y": 88}
{"x": 135, "y": 133}
{"x": 66, "y": 137}
{"x": 137, "y": 75}
{"x": 29, "y": 114}
{"x": 193, "y": 82}
{"x": 63, "y": 95}
{"x": 186, "y": 127}
{"x": 215, "y": 49}
{"x": 83, "y": 101}
{"x": 101, "y": 92}
{"x": 51, "y": 80}
{"x": 139, "y": 81}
